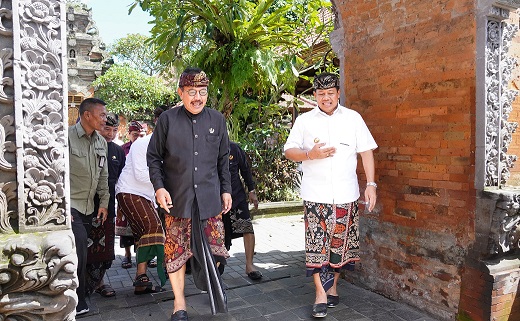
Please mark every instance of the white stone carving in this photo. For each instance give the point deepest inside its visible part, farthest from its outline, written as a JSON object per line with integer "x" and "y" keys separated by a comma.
{"x": 499, "y": 99}
{"x": 37, "y": 251}
{"x": 39, "y": 274}
{"x": 505, "y": 231}
{"x": 505, "y": 226}
{"x": 44, "y": 139}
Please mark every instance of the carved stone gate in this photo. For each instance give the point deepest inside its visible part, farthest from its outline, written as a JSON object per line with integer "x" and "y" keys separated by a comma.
{"x": 38, "y": 259}
{"x": 490, "y": 281}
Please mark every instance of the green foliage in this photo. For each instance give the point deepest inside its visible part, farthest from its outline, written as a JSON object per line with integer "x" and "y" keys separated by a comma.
{"x": 247, "y": 47}
{"x": 136, "y": 51}
{"x": 129, "y": 92}
{"x": 277, "y": 178}
{"x": 252, "y": 50}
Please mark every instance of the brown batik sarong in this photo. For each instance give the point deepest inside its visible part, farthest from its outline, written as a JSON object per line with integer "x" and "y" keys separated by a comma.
{"x": 331, "y": 238}
{"x": 146, "y": 227}
{"x": 177, "y": 247}
{"x": 100, "y": 252}
{"x": 143, "y": 219}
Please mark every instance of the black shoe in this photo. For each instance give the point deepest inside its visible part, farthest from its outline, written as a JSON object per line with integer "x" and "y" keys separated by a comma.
{"x": 82, "y": 308}
{"x": 319, "y": 310}
{"x": 180, "y": 315}
{"x": 332, "y": 301}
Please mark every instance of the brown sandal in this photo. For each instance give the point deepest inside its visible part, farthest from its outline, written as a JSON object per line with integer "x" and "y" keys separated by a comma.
{"x": 142, "y": 280}
{"x": 105, "y": 291}
{"x": 149, "y": 289}
{"x": 127, "y": 263}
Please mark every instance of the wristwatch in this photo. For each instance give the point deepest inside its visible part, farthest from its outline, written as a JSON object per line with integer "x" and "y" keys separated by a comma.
{"x": 372, "y": 184}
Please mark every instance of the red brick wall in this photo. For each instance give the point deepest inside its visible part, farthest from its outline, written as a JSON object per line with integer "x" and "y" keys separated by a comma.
{"x": 409, "y": 69}
{"x": 514, "y": 147}
{"x": 490, "y": 292}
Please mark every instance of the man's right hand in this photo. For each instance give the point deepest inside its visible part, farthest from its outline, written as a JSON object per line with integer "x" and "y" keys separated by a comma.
{"x": 163, "y": 199}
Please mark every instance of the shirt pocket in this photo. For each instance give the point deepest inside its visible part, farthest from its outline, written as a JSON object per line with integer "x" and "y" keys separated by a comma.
{"x": 212, "y": 146}
{"x": 78, "y": 162}
{"x": 212, "y": 139}
{"x": 101, "y": 160}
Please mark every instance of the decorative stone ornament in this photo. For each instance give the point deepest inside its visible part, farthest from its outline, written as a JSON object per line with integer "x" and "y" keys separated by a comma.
{"x": 504, "y": 234}
{"x": 499, "y": 97}
{"x": 37, "y": 252}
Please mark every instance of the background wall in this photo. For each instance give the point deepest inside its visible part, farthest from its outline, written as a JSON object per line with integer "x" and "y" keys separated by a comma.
{"x": 409, "y": 68}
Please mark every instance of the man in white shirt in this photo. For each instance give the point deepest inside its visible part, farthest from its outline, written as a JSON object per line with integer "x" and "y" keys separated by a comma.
{"x": 136, "y": 198}
{"x": 327, "y": 140}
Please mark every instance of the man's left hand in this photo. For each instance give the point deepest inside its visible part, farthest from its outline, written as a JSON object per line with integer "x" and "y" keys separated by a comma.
{"x": 370, "y": 197}
{"x": 253, "y": 199}
{"x": 226, "y": 202}
{"x": 102, "y": 214}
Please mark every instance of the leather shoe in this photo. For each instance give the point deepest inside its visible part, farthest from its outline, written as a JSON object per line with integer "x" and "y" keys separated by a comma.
{"x": 180, "y": 315}
{"x": 319, "y": 310}
{"x": 332, "y": 301}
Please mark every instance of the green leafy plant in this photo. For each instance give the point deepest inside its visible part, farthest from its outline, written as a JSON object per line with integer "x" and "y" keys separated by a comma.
{"x": 131, "y": 93}
{"x": 277, "y": 178}
{"x": 138, "y": 53}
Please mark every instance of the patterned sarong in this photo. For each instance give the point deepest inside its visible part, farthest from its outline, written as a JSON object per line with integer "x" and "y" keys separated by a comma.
{"x": 331, "y": 238}
{"x": 146, "y": 228}
{"x": 237, "y": 223}
{"x": 177, "y": 247}
{"x": 100, "y": 251}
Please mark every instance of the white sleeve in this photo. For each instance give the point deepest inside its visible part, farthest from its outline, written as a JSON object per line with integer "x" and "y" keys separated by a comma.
{"x": 295, "y": 139}
{"x": 138, "y": 156}
{"x": 364, "y": 139}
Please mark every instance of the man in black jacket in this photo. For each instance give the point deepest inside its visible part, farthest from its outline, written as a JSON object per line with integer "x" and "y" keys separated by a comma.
{"x": 188, "y": 160}
{"x": 238, "y": 222}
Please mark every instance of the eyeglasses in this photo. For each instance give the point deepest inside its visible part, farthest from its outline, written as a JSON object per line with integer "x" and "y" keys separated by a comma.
{"x": 193, "y": 92}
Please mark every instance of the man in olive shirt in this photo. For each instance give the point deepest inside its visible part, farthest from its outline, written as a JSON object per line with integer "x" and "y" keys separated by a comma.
{"x": 88, "y": 175}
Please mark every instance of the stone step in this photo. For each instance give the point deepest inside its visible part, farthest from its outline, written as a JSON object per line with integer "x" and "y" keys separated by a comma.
{"x": 278, "y": 208}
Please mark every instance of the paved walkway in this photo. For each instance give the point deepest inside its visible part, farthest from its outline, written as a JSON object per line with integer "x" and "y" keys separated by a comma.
{"x": 284, "y": 293}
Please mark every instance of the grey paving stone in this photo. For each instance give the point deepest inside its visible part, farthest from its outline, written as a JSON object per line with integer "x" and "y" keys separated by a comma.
{"x": 408, "y": 314}
{"x": 258, "y": 298}
{"x": 284, "y": 315}
{"x": 283, "y": 294}
{"x": 268, "y": 308}
{"x": 246, "y": 313}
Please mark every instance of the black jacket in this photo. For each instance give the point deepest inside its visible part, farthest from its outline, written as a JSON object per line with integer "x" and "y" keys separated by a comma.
{"x": 188, "y": 155}
{"x": 239, "y": 166}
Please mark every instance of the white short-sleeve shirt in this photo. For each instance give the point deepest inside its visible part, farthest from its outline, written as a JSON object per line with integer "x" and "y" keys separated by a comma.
{"x": 134, "y": 178}
{"x": 332, "y": 180}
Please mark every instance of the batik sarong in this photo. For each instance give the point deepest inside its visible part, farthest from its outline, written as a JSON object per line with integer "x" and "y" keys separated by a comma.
{"x": 202, "y": 241}
{"x": 237, "y": 222}
{"x": 100, "y": 251}
{"x": 331, "y": 238}
{"x": 177, "y": 247}
{"x": 146, "y": 228}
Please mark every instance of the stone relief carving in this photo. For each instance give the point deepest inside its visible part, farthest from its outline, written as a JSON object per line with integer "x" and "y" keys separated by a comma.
{"x": 499, "y": 99}
{"x": 37, "y": 251}
{"x": 43, "y": 144}
{"x": 40, "y": 277}
{"x": 504, "y": 232}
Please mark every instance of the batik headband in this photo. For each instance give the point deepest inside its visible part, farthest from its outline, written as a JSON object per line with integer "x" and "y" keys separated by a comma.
{"x": 135, "y": 126}
{"x": 112, "y": 120}
{"x": 194, "y": 80}
{"x": 326, "y": 80}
